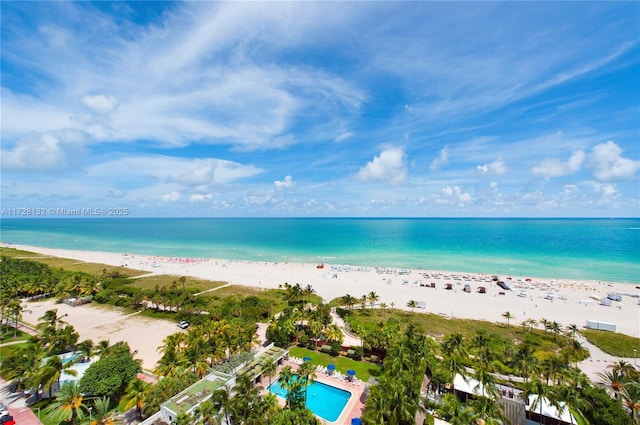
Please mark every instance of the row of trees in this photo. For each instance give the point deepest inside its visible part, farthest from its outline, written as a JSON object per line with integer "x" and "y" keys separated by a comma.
{"x": 204, "y": 346}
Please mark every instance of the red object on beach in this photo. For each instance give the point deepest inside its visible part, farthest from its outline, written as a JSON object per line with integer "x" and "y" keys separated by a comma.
{"x": 320, "y": 266}
{"x": 527, "y": 280}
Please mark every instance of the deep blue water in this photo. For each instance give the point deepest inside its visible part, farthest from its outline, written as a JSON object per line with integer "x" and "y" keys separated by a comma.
{"x": 599, "y": 249}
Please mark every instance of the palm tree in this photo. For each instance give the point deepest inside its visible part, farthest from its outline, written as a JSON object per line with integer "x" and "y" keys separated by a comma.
{"x": 244, "y": 401}
{"x": 184, "y": 418}
{"x": 68, "y": 406}
{"x": 539, "y": 390}
{"x": 102, "y": 414}
{"x": 625, "y": 368}
{"x": 507, "y": 315}
{"x": 546, "y": 323}
{"x": 630, "y": 394}
{"x": 269, "y": 368}
{"x": 136, "y": 394}
{"x": 572, "y": 401}
{"x": 206, "y": 412}
{"x": 334, "y": 333}
{"x": 86, "y": 348}
{"x": 572, "y": 329}
{"x": 383, "y": 307}
{"x": 222, "y": 400}
{"x": 453, "y": 352}
{"x": 306, "y": 372}
{"x": 363, "y": 301}
{"x": 412, "y": 304}
{"x": 307, "y": 292}
{"x": 523, "y": 359}
{"x": 612, "y": 380}
{"x": 101, "y": 348}
{"x": 455, "y": 412}
{"x": 52, "y": 370}
{"x": 488, "y": 411}
{"x": 373, "y": 298}
{"x": 349, "y": 301}
{"x": 377, "y": 409}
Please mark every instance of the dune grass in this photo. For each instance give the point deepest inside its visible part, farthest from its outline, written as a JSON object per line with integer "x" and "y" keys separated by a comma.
{"x": 69, "y": 264}
{"x": 616, "y": 344}
{"x": 150, "y": 282}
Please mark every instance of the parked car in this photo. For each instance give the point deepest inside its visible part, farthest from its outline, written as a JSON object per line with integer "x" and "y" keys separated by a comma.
{"x": 183, "y": 325}
{"x": 7, "y": 420}
{"x": 3, "y": 410}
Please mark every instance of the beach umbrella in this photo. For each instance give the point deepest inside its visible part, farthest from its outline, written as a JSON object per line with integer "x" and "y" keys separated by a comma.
{"x": 351, "y": 372}
{"x": 331, "y": 367}
{"x": 307, "y": 359}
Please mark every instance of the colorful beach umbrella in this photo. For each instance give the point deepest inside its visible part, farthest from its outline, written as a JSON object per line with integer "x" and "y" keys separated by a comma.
{"x": 351, "y": 372}
{"x": 307, "y": 359}
{"x": 331, "y": 367}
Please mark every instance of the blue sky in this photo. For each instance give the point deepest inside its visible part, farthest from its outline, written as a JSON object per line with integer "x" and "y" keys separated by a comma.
{"x": 322, "y": 109}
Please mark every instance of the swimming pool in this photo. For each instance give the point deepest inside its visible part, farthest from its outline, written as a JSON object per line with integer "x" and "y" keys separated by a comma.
{"x": 323, "y": 400}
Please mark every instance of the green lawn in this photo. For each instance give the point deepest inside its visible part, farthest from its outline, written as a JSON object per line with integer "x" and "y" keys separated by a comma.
{"x": 616, "y": 344}
{"x": 364, "y": 370}
{"x": 7, "y": 332}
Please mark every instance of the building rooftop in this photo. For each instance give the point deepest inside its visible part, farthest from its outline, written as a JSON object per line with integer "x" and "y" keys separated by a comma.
{"x": 254, "y": 367}
{"x": 197, "y": 393}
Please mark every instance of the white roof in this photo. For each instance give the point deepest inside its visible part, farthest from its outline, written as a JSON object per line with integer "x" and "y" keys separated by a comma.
{"x": 470, "y": 386}
{"x": 550, "y": 411}
{"x": 473, "y": 386}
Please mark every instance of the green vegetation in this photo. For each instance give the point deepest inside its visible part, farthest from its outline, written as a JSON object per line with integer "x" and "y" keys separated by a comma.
{"x": 68, "y": 264}
{"x": 364, "y": 370}
{"x": 11, "y": 334}
{"x": 223, "y": 328}
{"x": 616, "y": 344}
{"x": 153, "y": 281}
{"x": 110, "y": 375}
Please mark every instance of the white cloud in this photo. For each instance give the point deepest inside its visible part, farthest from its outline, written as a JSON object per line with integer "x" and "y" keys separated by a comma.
{"x": 550, "y": 168}
{"x": 116, "y": 193}
{"x": 198, "y": 197}
{"x": 608, "y": 164}
{"x": 100, "y": 103}
{"x": 441, "y": 160}
{"x": 54, "y": 150}
{"x": 284, "y": 184}
{"x": 608, "y": 192}
{"x": 453, "y": 195}
{"x": 390, "y": 166}
{"x": 496, "y": 168}
{"x": 171, "y": 197}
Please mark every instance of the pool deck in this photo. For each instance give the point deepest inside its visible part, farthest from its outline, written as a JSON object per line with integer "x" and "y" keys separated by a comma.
{"x": 355, "y": 405}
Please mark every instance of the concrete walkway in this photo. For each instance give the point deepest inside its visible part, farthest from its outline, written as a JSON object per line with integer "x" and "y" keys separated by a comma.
{"x": 16, "y": 406}
{"x": 349, "y": 339}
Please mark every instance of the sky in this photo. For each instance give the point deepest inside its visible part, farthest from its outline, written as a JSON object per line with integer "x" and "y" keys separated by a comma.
{"x": 330, "y": 109}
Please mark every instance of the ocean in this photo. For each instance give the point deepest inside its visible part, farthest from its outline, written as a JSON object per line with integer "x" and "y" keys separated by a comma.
{"x": 595, "y": 249}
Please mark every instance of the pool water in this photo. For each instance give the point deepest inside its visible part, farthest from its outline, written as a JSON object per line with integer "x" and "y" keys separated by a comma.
{"x": 323, "y": 400}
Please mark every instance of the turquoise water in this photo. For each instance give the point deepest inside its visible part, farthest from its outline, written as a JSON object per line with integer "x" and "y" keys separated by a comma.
{"x": 598, "y": 249}
{"x": 323, "y": 400}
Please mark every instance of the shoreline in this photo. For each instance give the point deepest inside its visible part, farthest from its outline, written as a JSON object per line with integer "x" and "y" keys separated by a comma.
{"x": 562, "y": 300}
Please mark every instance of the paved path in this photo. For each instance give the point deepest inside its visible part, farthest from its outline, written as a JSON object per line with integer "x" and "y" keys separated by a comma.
{"x": 214, "y": 289}
{"x": 349, "y": 339}
{"x": 16, "y": 406}
{"x": 598, "y": 360}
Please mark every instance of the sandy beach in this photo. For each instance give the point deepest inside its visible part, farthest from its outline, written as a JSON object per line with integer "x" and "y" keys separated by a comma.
{"x": 564, "y": 301}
